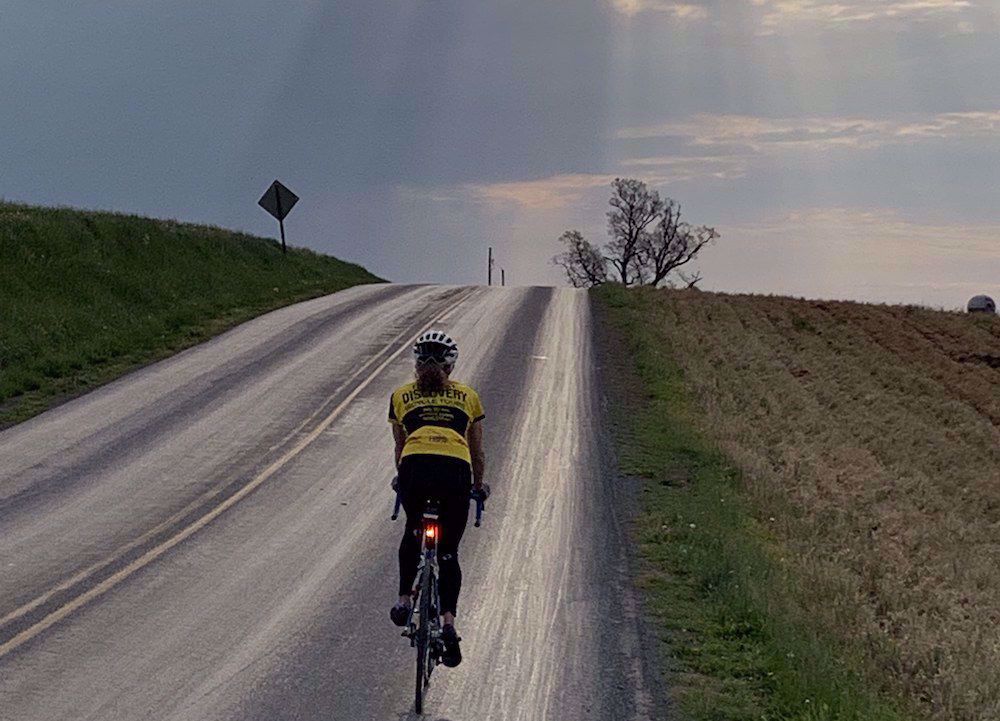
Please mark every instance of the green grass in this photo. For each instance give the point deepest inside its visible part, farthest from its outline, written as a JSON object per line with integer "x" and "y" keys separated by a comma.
{"x": 87, "y": 296}
{"x": 736, "y": 643}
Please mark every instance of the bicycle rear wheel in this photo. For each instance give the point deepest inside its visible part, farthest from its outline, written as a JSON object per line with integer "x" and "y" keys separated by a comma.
{"x": 423, "y": 640}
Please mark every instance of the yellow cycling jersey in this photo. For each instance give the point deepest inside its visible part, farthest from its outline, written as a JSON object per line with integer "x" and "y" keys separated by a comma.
{"x": 436, "y": 423}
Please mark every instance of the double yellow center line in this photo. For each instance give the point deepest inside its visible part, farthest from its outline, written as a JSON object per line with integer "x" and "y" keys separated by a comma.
{"x": 210, "y": 515}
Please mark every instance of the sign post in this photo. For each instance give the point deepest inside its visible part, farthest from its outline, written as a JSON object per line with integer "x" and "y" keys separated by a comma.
{"x": 489, "y": 268}
{"x": 279, "y": 201}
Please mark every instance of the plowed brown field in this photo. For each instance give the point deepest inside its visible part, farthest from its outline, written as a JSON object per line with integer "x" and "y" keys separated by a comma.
{"x": 869, "y": 440}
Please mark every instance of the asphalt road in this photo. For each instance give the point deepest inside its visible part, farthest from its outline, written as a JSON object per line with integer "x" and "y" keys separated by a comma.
{"x": 209, "y": 537}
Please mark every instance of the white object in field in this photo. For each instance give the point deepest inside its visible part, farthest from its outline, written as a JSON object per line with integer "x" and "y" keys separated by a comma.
{"x": 982, "y": 304}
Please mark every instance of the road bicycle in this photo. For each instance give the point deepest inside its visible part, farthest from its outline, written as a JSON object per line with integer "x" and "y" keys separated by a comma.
{"x": 423, "y": 627}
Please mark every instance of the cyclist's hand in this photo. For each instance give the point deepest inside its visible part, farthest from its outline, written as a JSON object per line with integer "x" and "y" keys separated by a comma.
{"x": 481, "y": 491}
{"x": 395, "y": 483}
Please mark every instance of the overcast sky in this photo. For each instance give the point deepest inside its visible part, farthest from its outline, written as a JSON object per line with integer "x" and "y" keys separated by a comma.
{"x": 845, "y": 149}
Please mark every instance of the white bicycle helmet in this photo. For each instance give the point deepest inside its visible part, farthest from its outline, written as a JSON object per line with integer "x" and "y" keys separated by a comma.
{"x": 436, "y": 345}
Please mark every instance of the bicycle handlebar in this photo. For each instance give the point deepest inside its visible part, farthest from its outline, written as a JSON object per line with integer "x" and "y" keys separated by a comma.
{"x": 474, "y": 495}
{"x": 480, "y": 507}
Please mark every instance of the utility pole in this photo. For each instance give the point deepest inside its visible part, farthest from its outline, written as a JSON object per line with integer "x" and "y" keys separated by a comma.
{"x": 503, "y": 278}
{"x": 489, "y": 268}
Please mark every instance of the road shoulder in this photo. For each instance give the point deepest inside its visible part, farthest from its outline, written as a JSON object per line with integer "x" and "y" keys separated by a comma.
{"x": 650, "y": 672}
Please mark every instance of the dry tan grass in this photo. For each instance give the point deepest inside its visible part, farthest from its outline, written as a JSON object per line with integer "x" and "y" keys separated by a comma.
{"x": 871, "y": 436}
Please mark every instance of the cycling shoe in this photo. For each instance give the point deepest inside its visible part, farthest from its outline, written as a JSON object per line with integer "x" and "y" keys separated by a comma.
{"x": 399, "y": 614}
{"x": 452, "y": 655}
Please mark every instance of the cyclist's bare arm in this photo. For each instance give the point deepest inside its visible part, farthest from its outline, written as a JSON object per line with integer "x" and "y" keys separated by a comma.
{"x": 478, "y": 455}
{"x": 398, "y": 435}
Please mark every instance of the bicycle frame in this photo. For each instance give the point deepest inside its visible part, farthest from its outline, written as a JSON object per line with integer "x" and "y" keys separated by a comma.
{"x": 429, "y": 532}
{"x": 424, "y": 626}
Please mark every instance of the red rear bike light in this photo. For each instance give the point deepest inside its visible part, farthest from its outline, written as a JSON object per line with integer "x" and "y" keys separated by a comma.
{"x": 430, "y": 531}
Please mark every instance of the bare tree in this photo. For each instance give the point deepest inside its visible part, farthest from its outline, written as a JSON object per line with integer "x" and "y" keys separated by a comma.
{"x": 633, "y": 208}
{"x": 690, "y": 281}
{"x": 584, "y": 265}
{"x": 648, "y": 242}
{"x": 670, "y": 245}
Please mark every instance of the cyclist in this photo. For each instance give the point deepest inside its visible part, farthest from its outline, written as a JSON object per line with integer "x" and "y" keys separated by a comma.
{"x": 438, "y": 430}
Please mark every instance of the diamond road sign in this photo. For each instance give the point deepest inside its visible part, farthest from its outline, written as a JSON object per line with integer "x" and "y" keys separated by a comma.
{"x": 278, "y": 200}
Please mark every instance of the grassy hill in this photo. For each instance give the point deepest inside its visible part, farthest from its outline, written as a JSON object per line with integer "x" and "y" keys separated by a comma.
{"x": 821, "y": 529}
{"x": 86, "y": 296}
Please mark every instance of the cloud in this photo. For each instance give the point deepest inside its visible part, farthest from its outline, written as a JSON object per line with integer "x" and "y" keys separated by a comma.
{"x": 554, "y": 191}
{"x": 779, "y": 13}
{"x": 674, "y": 168}
{"x": 679, "y": 10}
{"x": 756, "y": 134}
{"x": 953, "y": 125}
{"x": 774, "y": 16}
{"x": 562, "y": 190}
{"x": 885, "y": 225}
{"x": 559, "y": 191}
